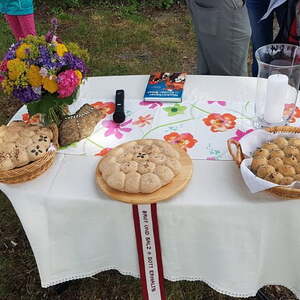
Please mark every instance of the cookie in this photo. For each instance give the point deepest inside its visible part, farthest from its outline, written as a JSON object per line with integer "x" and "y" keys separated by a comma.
{"x": 140, "y": 156}
{"x": 261, "y": 153}
{"x": 286, "y": 180}
{"x": 257, "y": 162}
{"x": 291, "y": 150}
{"x": 276, "y": 162}
{"x": 265, "y": 170}
{"x": 281, "y": 142}
{"x": 158, "y": 158}
{"x": 277, "y": 153}
{"x": 287, "y": 170}
{"x": 294, "y": 142}
{"x": 42, "y": 139}
{"x": 274, "y": 177}
{"x": 269, "y": 146}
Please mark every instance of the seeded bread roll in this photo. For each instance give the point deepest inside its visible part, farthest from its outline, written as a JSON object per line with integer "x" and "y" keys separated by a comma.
{"x": 265, "y": 170}
{"x": 287, "y": 170}
{"x": 286, "y": 180}
{"x": 257, "y": 162}
{"x": 281, "y": 142}
{"x": 275, "y": 177}
{"x": 294, "y": 142}
{"x": 261, "y": 153}
{"x": 277, "y": 153}
{"x": 269, "y": 146}
{"x": 276, "y": 162}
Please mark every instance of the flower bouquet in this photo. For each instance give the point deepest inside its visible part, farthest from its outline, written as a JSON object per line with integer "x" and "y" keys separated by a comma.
{"x": 44, "y": 74}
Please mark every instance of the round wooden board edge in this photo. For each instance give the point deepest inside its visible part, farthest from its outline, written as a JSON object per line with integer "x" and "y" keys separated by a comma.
{"x": 164, "y": 193}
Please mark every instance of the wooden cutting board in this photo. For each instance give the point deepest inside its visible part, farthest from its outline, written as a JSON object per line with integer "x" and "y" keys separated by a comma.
{"x": 175, "y": 186}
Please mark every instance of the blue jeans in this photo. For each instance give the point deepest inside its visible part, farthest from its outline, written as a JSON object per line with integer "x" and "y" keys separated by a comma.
{"x": 262, "y": 31}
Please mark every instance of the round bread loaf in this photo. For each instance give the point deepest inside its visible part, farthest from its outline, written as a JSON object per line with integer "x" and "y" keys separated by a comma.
{"x": 143, "y": 166}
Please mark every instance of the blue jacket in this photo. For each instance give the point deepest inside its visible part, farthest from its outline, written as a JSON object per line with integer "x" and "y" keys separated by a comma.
{"x": 16, "y": 7}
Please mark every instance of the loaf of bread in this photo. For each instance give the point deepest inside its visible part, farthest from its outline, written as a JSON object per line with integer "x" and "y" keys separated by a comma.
{"x": 21, "y": 144}
{"x": 143, "y": 166}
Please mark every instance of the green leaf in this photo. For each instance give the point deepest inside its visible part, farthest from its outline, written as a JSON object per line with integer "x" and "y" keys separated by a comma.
{"x": 48, "y": 102}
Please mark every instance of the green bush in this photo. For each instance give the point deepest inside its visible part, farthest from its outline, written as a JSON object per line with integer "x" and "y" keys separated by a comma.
{"x": 65, "y": 4}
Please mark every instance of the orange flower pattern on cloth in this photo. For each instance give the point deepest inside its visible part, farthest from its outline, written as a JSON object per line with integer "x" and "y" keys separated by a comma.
{"x": 106, "y": 108}
{"x": 288, "y": 108}
{"x": 103, "y": 152}
{"x": 183, "y": 140}
{"x": 143, "y": 120}
{"x": 220, "y": 123}
{"x": 35, "y": 119}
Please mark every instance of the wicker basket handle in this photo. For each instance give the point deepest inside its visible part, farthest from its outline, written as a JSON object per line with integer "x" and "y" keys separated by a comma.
{"x": 236, "y": 153}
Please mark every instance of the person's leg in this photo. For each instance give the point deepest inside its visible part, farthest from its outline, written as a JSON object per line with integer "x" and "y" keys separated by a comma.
{"x": 14, "y": 26}
{"x": 262, "y": 31}
{"x": 202, "y": 68}
{"x": 27, "y": 25}
{"x": 223, "y": 34}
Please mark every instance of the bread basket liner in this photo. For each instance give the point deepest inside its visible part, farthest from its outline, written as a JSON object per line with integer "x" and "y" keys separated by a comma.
{"x": 243, "y": 150}
{"x": 35, "y": 168}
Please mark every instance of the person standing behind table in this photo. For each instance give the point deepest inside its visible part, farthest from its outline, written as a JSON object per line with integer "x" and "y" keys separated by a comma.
{"x": 261, "y": 15}
{"x": 19, "y": 15}
{"x": 223, "y": 35}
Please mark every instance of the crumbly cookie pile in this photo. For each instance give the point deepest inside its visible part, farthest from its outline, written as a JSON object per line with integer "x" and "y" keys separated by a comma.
{"x": 142, "y": 166}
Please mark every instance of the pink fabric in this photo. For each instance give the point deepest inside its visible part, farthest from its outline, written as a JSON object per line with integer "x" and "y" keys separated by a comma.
{"x": 21, "y": 26}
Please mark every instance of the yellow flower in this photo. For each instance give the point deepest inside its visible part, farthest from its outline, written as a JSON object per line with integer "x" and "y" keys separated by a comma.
{"x": 34, "y": 77}
{"x": 7, "y": 86}
{"x": 50, "y": 85}
{"x": 21, "y": 51}
{"x": 16, "y": 67}
{"x": 61, "y": 49}
{"x": 79, "y": 75}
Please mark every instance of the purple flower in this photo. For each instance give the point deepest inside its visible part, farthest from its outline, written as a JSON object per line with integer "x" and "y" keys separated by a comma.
{"x": 75, "y": 63}
{"x": 25, "y": 94}
{"x": 115, "y": 128}
{"x": 151, "y": 104}
{"x": 11, "y": 53}
{"x": 240, "y": 134}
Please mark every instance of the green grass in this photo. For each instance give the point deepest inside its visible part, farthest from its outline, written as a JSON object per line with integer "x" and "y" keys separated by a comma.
{"x": 120, "y": 42}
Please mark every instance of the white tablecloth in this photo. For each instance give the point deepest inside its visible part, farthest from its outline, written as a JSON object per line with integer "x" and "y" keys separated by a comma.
{"x": 214, "y": 231}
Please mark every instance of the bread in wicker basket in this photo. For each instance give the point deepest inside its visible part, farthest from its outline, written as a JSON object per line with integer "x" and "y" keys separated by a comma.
{"x": 34, "y": 168}
{"x": 237, "y": 154}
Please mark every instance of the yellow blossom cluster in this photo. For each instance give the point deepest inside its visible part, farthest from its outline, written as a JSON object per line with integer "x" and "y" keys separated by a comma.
{"x": 79, "y": 75}
{"x": 34, "y": 77}
{"x": 16, "y": 67}
{"x": 61, "y": 49}
{"x": 21, "y": 51}
{"x": 50, "y": 85}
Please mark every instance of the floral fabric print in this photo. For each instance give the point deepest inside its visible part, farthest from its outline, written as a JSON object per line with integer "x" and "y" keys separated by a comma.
{"x": 106, "y": 108}
{"x": 103, "y": 152}
{"x": 34, "y": 120}
{"x": 288, "y": 109}
{"x": 151, "y": 104}
{"x": 220, "y": 123}
{"x": 174, "y": 110}
{"x": 184, "y": 140}
{"x": 143, "y": 120}
{"x": 116, "y": 129}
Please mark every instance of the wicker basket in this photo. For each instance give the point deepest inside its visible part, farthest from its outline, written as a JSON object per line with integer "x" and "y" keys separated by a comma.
{"x": 236, "y": 152}
{"x": 33, "y": 169}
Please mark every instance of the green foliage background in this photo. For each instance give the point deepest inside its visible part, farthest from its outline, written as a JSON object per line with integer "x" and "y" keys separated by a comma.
{"x": 165, "y": 4}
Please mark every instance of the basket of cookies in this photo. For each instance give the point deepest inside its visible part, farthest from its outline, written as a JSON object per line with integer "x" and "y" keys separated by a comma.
{"x": 26, "y": 151}
{"x": 269, "y": 160}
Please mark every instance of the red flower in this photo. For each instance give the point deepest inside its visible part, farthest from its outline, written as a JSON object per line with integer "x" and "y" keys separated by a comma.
{"x": 143, "y": 120}
{"x": 106, "y": 108}
{"x": 288, "y": 108}
{"x": 184, "y": 140}
{"x": 220, "y": 123}
{"x": 35, "y": 119}
{"x": 103, "y": 152}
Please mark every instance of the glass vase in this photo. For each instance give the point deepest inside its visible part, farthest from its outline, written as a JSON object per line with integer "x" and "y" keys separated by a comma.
{"x": 277, "y": 84}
